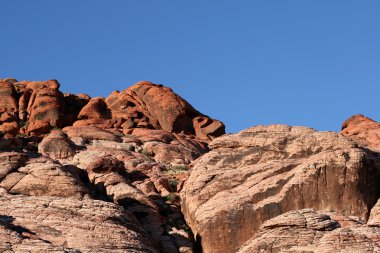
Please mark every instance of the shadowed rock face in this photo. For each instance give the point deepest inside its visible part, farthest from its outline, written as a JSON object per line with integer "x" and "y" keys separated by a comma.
{"x": 262, "y": 172}
{"x": 363, "y": 130}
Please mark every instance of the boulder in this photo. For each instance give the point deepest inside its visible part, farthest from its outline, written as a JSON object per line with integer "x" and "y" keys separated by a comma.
{"x": 57, "y": 145}
{"x": 41, "y": 177}
{"x": 265, "y": 171}
{"x": 46, "y": 106}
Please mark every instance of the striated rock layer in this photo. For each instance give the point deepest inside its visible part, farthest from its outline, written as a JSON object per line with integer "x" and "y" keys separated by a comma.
{"x": 265, "y": 171}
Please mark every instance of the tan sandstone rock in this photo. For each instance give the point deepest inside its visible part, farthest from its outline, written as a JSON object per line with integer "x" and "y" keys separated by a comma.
{"x": 56, "y": 145}
{"x": 40, "y": 224}
{"x": 264, "y": 171}
{"x": 309, "y": 231}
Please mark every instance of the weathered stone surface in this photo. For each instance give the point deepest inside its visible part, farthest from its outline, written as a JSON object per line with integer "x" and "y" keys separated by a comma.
{"x": 45, "y": 107}
{"x": 8, "y": 101}
{"x": 90, "y": 133}
{"x": 36, "y": 224}
{"x": 310, "y": 231}
{"x": 264, "y": 171}
{"x": 41, "y": 177}
{"x": 95, "y": 113}
{"x": 10, "y": 128}
{"x": 56, "y": 145}
{"x": 374, "y": 218}
{"x": 206, "y": 128}
{"x": 363, "y": 130}
{"x": 8, "y": 107}
{"x": 132, "y": 148}
{"x": 10, "y": 161}
{"x": 37, "y": 107}
{"x": 147, "y": 105}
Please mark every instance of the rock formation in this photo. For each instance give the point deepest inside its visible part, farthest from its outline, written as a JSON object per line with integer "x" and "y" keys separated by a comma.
{"x": 51, "y": 224}
{"x": 363, "y": 130}
{"x": 96, "y": 175}
{"x": 35, "y": 108}
{"x": 309, "y": 231}
{"x": 265, "y": 171}
{"x": 143, "y": 171}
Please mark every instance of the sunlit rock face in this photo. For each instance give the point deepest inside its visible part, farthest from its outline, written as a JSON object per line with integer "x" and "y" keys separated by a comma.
{"x": 265, "y": 171}
{"x": 143, "y": 171}
{"x": 96, "y": 175}
{"x": 363, "y": 130}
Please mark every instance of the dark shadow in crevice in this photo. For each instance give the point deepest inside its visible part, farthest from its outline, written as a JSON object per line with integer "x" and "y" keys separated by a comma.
{"x": 7, "y": 222}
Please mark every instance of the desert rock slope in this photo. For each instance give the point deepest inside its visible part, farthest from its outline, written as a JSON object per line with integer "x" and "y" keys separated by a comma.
{"x": 143, "y": 171}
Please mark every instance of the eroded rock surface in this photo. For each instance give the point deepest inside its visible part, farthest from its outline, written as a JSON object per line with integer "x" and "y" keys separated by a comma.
{"x": 265, "y": 171}
{"x": 131, "y": 149}
{"x": 307, "y": 230}
{"x": 142, "y": 173}
{"x": 41, "y": 224}
{"x": 35, "y": 108}
{"x": 363, "y": 130}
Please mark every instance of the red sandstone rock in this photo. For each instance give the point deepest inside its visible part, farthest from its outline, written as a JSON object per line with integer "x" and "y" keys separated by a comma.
{"x": 90, "y": 133}
{"x": 147, "y": 105}
{"x": 8, "y": 102}
{"x": 363, "y": 130}
{"x": 73, "y": 105}
{"x": 45, "y": 107}
{"x": 9, "y": 127}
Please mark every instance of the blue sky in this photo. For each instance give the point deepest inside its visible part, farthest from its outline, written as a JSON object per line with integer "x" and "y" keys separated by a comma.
{"x": 311, "y": 63}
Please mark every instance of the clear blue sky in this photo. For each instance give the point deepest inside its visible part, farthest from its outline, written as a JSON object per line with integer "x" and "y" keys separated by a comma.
{"x": 312, "y": 63}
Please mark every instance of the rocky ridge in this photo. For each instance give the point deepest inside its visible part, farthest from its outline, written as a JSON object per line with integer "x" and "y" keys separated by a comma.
{"x": 78, "y": 168}
{"x": 143, "y": 171}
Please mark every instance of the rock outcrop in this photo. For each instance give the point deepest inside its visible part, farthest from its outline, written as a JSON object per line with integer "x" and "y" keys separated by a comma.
{"x": 265, "y": 171}
{"x": 363, "y": 130}
{"x": 35, "y": 108}
{"x": 51, "y": 224}
{"x": 68, "y": 162}
{"x": 309, "y": 231}
{"x": 143, "y": 171}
